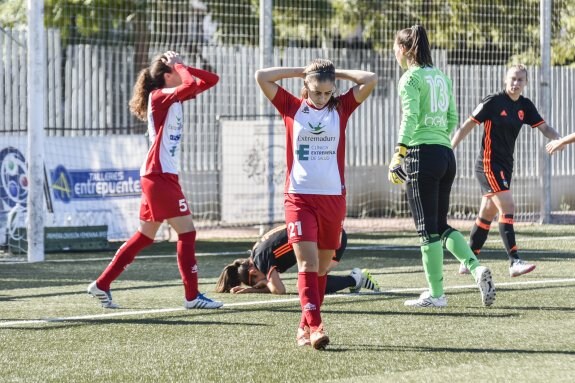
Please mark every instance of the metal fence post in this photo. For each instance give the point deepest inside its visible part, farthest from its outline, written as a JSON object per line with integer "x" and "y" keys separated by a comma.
{"x": 266, "y": 59}
{"x": 545, "y": 80}
{"x": 36, "y": 120}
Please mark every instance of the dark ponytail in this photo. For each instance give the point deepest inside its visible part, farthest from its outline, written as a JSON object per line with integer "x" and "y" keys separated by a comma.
{"x": 416, "y": 43}
{"x": 148, "y": 79}
{"x": 234, "y": 275}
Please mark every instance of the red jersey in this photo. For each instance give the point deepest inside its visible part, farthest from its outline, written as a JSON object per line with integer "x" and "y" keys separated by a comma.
{"x": 165, "y": 119}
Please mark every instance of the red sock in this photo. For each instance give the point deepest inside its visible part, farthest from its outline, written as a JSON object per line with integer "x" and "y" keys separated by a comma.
{"x": 124, "y": 256}
{"x": 303, "y": 321}
{"x": 307, "y": 283}
{"x": 321, "y": 283}
{"x": 187, "y": 263}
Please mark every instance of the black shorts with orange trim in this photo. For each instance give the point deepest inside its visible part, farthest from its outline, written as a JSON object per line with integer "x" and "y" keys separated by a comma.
{"x": 494, "y": 179}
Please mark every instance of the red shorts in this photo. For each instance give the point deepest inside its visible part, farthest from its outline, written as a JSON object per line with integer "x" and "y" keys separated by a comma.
{"x": 162, "y": 197}
{"x": 315, "y": 218}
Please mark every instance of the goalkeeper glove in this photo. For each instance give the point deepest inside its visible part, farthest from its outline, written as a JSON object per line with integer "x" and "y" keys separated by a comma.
{"x": 396, "y": 173}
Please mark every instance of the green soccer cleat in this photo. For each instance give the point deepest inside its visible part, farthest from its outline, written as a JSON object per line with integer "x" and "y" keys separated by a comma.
{"x": 368, "y": 282}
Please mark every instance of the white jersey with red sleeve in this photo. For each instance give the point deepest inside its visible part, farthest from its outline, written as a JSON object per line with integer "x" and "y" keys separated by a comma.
{"x": 315, "y": 143}
{"x": 165, "y": 124}
{"x": 166, "y": 120}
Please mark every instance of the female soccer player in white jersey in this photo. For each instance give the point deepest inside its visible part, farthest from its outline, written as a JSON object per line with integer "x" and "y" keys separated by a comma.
{"x": 158, "y": 95}
{"x": 315, "y": 187}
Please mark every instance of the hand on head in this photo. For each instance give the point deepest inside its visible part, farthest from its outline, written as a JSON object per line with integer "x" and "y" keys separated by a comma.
{"x": 170, "y": 58}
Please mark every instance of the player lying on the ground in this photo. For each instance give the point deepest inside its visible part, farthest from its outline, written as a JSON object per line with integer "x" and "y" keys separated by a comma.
{"x": 273, "y": 255}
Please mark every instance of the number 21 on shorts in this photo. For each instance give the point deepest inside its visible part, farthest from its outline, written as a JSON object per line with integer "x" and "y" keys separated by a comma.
{"x": 183, "y": 205}
{"x": 294, "y": 229}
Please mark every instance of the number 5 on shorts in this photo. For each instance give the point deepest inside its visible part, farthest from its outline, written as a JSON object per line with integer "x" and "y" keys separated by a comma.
{"x": 183, "y": 205}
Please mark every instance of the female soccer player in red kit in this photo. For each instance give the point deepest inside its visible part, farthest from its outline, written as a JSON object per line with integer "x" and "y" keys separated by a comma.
{"x": 158, "y": 95}
{"x": 315, "y": 186}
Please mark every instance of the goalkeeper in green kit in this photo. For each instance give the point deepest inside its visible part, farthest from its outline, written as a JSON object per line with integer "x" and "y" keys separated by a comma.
{"x": 429, "y": 116}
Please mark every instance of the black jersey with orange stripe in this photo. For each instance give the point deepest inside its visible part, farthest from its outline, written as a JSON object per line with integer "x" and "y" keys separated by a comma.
{"x": 502, "y": 120}
{"x": 274, "y": 251}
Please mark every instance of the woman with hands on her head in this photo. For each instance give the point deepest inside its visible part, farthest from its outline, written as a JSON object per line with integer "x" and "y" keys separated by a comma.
{"x": 315, "y": 186}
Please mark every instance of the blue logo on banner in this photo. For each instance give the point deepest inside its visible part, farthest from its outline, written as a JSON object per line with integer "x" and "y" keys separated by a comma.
{"x": 94, "y": 184}
{"x": 13, "y": 178}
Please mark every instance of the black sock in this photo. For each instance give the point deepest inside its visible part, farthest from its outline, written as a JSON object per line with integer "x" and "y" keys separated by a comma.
{"x": 507, "y": 233}
{"x": 336, "y": 283}
{"x": 479, "y": 234}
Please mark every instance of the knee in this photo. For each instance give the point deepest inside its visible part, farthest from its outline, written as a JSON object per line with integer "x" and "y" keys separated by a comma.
{"x": 187, "y": 237}
{"x": 308, "y": 265}
{"x": 445, "y": 230}
{"x": 509, "y": 208}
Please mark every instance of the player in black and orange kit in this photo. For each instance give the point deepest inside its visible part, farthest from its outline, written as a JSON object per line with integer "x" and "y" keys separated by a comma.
{"x": 273, "y": 255}
{"x": 503, "y": 115}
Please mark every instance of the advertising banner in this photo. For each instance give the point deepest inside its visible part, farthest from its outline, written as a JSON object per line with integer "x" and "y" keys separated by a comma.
{"x": 89, "y": 181}
{"x": 253, "y": 171}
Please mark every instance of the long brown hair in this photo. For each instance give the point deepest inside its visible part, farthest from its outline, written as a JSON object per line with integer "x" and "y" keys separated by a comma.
{"x": 321, "y": 70}
{"x": 233, "y": 275}
{"x": 148, "y": 79}
{"x": 416, "y": 43}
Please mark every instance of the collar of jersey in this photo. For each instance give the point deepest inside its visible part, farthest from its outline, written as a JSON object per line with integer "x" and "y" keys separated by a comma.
{"x": 313, "y": 106}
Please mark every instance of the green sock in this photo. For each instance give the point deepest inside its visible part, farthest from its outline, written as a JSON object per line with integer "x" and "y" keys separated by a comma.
{"x": 432, "y": 257}
{"x": 458, "y": 246}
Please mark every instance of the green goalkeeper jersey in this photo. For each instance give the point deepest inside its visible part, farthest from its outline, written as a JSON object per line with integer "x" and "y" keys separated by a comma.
{"x": 428, "y": 108}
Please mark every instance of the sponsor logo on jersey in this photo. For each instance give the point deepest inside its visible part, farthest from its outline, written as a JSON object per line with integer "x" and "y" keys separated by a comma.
{"x": 314, "y": 152}
{"x": 316, "y": 129}
{"x": 521, "y": 114}
{"x": 302, "y": 152}
{"x": 305, "y": 109}
{"x": 434, "y": 121}
{"x": 503, "y": 113}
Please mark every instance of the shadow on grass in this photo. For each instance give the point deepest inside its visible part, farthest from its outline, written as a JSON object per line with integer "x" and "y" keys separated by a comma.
{"x": 537, "y": 308}
{"x": 457, "y": 350}
{"x": 485, "y": 313}
{"x": 60, "y": 324}
{"x": 6, "y": 298}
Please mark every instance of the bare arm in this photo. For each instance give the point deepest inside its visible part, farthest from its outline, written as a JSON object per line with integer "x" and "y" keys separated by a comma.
{"x": 462, "y": 132}
{"x": 275, "y": 284}
{"x": 559, "y": 144}
{"x": 267, "y": 78}
{"x": 548, "y": 131}
{"x": 249, "y": 290}
{"x": 366, "y": 82}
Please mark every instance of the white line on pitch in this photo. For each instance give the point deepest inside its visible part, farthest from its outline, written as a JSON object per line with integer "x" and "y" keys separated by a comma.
{"x": 246, "y": 253}
{"x": 265, "y": 302}
{"x": 108, "y": 258}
